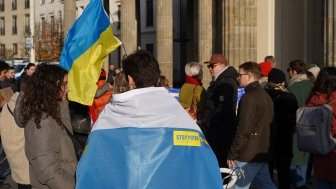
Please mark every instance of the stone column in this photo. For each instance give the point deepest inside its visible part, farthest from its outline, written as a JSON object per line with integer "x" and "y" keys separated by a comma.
{"x": 69, "y": 15}
{"x": 239, "y": 31}
{"x": 128, "y": 26}
{"x": 265, "y": 29}
{"x": 205, "y": 36}
{"x": 164, "y": 37}
{"x": 330, "y": 33}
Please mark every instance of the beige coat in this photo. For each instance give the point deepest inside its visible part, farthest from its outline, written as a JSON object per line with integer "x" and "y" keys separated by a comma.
{"x": 50, "y": 152}
{"x": 13, "y": 142}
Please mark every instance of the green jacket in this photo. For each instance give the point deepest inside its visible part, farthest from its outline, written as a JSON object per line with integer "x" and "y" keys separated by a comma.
{"x": 300, "y": 87}
{"x": 190, "y": 92}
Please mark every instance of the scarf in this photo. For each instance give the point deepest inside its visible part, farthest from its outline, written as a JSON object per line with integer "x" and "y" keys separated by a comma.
{"x": 276, "y": 86}
{"x": 192, "y": 80}
{"x": 297, "y": 78}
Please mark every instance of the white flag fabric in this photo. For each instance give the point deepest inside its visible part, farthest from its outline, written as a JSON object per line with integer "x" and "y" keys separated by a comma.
{"x": 145, "y": 139}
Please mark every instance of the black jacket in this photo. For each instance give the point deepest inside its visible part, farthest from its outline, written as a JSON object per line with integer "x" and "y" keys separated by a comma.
{"x": 283, "y": 125}
{"x": 219, "y": 113}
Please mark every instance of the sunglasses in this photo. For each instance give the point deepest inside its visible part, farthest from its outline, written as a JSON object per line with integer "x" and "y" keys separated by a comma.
{"x": 212, "y": 65}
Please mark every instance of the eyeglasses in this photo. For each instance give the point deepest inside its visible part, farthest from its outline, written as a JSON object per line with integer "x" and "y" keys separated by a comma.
{"x": 212, "y": 65}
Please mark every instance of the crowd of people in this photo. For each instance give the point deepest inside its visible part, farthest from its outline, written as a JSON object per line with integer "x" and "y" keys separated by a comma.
{"x": 255, "y": 134}
{"x": 261, "y": 136}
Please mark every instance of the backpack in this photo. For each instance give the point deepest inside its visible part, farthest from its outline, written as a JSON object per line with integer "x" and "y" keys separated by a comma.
{"x": 313, "y": 126}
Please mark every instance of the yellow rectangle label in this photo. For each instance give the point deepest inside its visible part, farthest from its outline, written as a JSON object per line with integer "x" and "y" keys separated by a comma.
{"x": 186, "y": 138}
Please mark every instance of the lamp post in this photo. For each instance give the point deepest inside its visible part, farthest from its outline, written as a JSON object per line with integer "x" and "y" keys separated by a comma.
{"x": 32, "y": 31}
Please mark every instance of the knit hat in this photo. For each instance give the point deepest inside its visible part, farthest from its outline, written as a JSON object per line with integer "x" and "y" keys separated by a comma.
{"x": 276, "y": 76}
{"x": 314, "y": 70}
{"x": 265, "y": 67}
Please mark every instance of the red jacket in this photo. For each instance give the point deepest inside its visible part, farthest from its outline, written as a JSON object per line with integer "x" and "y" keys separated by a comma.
{"x": 325, "y": 165}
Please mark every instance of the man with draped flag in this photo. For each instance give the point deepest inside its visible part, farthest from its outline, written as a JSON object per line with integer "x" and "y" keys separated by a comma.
{"x": 88, "y": 42}
{"x": 145, "y": 139}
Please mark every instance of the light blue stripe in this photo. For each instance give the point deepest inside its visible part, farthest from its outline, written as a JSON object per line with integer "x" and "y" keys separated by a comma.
{"x": 133, "y": 158}
{"x": 84, "y": 33}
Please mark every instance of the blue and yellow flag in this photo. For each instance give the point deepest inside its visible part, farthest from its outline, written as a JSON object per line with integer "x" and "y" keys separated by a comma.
{"x": 88, "y": 42}
{"x": 145, "y": 139}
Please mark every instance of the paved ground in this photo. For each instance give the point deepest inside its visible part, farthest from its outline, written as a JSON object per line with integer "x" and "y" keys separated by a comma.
{"x": 10, "y": 184}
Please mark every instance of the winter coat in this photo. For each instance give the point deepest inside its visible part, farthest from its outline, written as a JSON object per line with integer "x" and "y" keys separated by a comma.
{"x": 219, "y": 114}
{"x": 13, "y": 142}
{"x": 50, "y": 152}
{"x": 283, "y": 125}
{"x": 190, "y": 92}
{"x": 255, "y": 114}
{"x": 324, "y": 166}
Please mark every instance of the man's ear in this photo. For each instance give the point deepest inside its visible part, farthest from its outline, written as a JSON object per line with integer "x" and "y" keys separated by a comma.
{"x": 252, "y": 77}
{"x": 131, "y": 83}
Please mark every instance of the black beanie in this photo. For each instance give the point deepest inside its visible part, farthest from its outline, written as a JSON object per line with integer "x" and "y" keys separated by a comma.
{"x": 276, "y": 76}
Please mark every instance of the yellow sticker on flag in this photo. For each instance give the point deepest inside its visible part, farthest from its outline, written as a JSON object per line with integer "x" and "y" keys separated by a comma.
{"x": 186, "y": 138}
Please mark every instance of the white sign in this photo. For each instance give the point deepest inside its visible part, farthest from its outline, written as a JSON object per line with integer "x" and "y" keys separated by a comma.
{"x": 29, "y": 42}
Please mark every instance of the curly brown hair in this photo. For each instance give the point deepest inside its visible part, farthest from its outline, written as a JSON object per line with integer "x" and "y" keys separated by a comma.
{"x": 42, "y": 94}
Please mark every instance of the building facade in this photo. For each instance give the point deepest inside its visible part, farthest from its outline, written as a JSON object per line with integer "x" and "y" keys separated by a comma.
{"x": 14, "y": 26}
{"x": 179, "y": 31}
{"x": 242, "y": 30}
{"x": 50, "y": 26}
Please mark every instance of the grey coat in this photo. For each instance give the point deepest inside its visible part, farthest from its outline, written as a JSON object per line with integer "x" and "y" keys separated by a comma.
{"x": 50, "y": 152}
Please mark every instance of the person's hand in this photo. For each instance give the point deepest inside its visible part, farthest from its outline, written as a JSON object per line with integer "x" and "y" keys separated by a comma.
{"x": 192, "y": 113}
{"x": 230, "y": 163}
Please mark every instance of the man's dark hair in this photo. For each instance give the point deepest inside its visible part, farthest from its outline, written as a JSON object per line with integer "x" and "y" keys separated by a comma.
{"x": 29, "y": 65}
{"x": 143, "y": 68}
{"x": 3, "y": 65}
{"x": 251, "y": 67}
{"x": 298, "y": 65}
{"x": 269, "y": 58}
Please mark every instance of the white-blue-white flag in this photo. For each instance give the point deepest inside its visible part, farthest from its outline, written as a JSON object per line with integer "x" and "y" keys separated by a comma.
{"x": 145, "y": 139}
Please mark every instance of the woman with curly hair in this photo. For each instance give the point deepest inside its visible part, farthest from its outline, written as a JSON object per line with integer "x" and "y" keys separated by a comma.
{"x": 46, "y": 117}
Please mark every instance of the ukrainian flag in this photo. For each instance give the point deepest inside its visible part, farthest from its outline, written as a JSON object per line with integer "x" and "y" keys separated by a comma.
{"x": 144, "y": 139}
{"x": 87, "y": 44}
